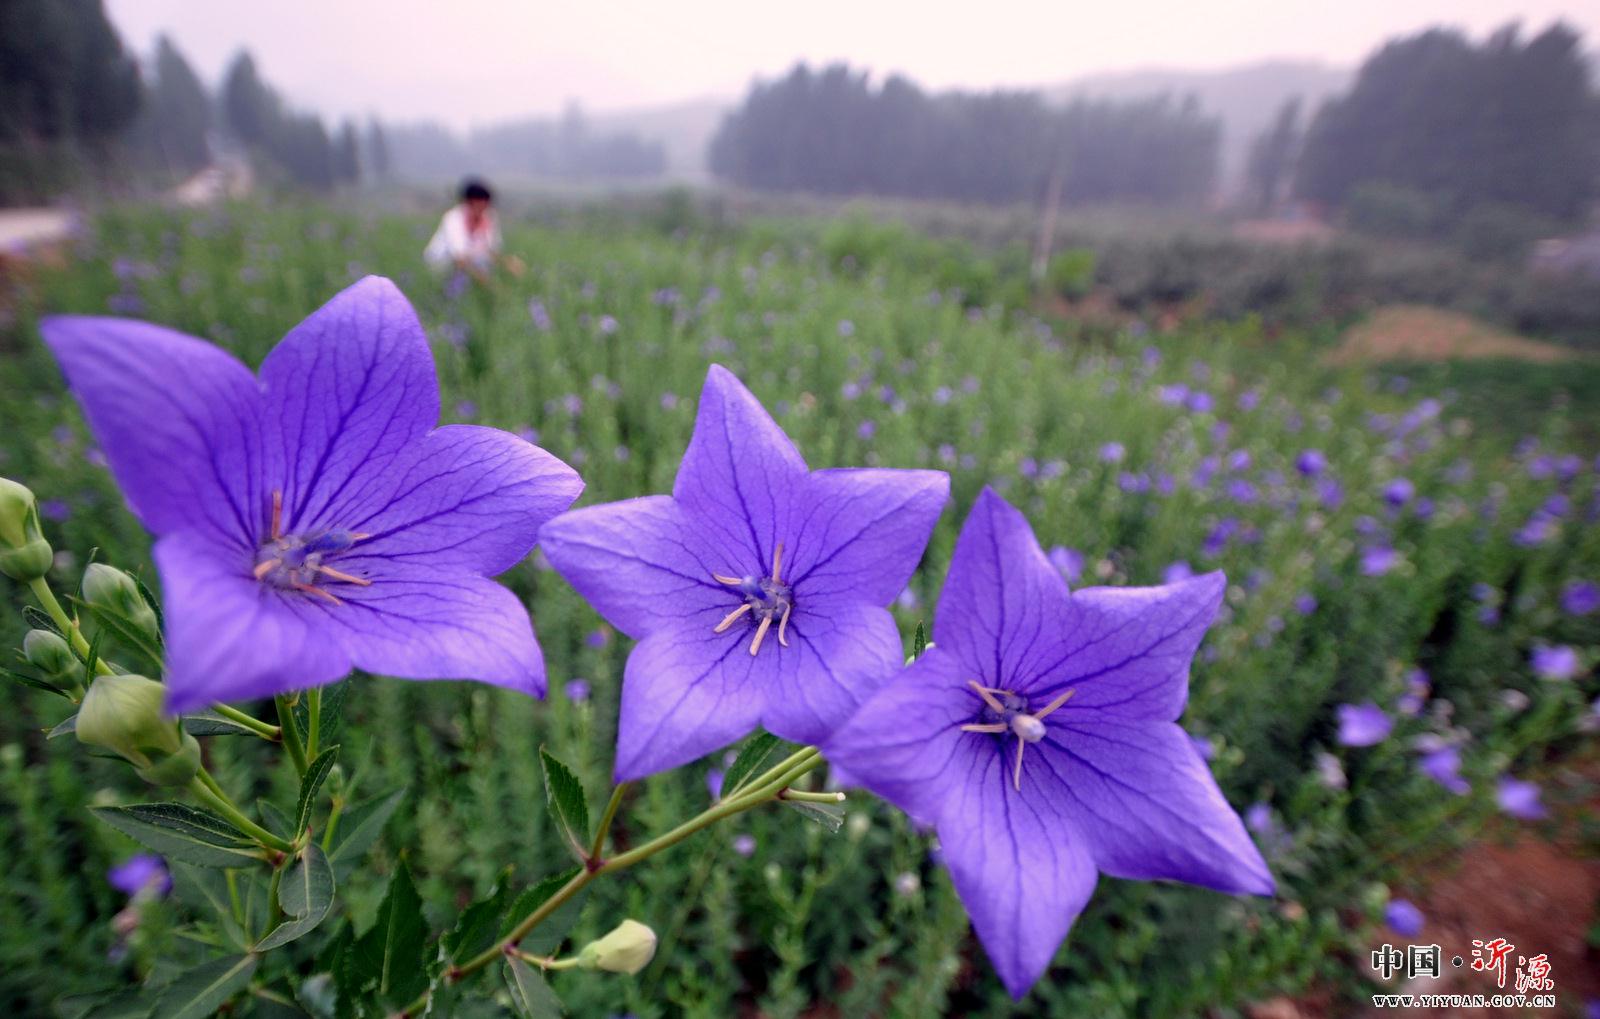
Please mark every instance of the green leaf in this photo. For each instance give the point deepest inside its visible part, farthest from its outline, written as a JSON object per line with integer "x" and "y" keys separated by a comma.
{"x": 829, "y": 815}
{"x": 37, "y": 684}
{"x": 66, "y": 727}
{"x": 198, "y": 993}
{"x": 919, "y": 641}
{"x": 752, "y": 758}
{"x": 567, "y": 801}
{"x": 208, "y": 723}
{"x": 530, "y": 995}
{"x": 183, "y": 833}
{"x": 332, "y": 712}
{"x": 151, "y": 600}
{"x": 389, "y": 958}
{"x": 306, "y": 895}
{"x": 124, "y": 629}
{"x": 316, "y": 774}
{"x": 278, "y": 822}
{"x": 359, "y": 827}
{"x": 479, "y": 925}
{"x": 546, "y": 937}
{"x": 206, "y": 889}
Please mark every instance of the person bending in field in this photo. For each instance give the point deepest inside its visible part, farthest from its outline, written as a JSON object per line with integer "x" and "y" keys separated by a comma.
{"x": 468, "y": 238}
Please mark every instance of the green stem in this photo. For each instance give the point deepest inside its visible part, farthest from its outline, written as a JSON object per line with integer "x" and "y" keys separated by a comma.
{"x": 291, "y": 737}
{"x": 206, "y": 789}
{"x": 69, "y": 626}
{"x": 803, "y": 797}
{"x": 763, "y": 790}
{"x": 314, "y": 725}
{"x": 543, "y": 961}
{"x": 605, "y": 821}
{"x": 266, "y": 730}
{"x": 333, "y": 823}
{"x": 274, "y": 908}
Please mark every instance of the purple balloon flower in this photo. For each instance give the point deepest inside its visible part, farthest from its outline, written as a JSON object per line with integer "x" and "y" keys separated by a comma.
{"x": 1580, "y": 597}
{"x": 1443, "y": 765}
{"x": 1311, "y": 462}
{"x": 1557, "y": 662}
{"x": 1376, "y": 560}
{"x": 1069, "y": 561}
{"x": 1519, "y": 799}
{"x": 756, "y": 590}
{"x": 142, "y": 874}
{"x": 1403, "y": 918}
{"x": 1362, "y": 725}
{"x": 1039, "y": 735}
{"x": 313, "y": 520}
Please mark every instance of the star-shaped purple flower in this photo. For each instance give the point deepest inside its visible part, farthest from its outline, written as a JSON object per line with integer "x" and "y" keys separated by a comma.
{"x": 756, "y": 590}
{"x": 1039, "y": 736}
{"x": 313, "y": 520}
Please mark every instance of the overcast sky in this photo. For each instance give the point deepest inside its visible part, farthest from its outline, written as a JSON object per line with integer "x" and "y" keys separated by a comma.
{"x": 476, "y": 61}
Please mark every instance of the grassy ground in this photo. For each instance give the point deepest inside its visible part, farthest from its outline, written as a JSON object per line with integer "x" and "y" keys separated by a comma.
{"x": 896, "y": 360}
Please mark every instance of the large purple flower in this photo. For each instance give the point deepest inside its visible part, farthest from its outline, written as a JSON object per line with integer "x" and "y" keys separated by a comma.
{"x": 1039, "y": 736}
{"x": 314, "y": 520}
{"x": 756, "y": 590}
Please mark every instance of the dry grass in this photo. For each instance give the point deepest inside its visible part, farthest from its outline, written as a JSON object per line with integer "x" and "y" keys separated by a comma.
{"x": 1418, "y": 333}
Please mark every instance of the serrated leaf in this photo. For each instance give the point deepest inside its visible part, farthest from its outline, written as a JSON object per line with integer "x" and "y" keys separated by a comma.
{"x": 359, "y": 827}
{"x": 479, "y": 925}
{"x": 306, "y": 895}
{"x": 209, "y": 723}
{"x": 316, "y": 774}
{"x": 753, "y": 756}
{"x": 198, "y": 993}
{"x": 390, "y": 956}
{"x": 829, "y": 815}
{"x": 919, "y": 641}
{"x": 183, "y": 833}
{"x": 332, "y": 710}
{"x": 547, "y": 937}
{"x": 531, "y": 996}
{"x": 568, "y": 803}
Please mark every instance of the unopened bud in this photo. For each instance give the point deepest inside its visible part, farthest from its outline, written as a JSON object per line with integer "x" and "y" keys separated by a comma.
{"x": 17, "y": 520}
{"x": 108, "y": 589}
{"x": 123, "y": 713}
{"x": 628, "y": 949}
{"x": 28, "y": 561}
{"x": 46, "y": 651}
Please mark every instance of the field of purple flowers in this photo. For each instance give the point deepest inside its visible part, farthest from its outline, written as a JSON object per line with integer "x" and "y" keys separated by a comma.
{"x": 1406, "y": 650}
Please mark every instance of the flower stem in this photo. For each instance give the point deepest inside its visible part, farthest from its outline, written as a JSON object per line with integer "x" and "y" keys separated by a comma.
{"x": 69, "y": 626}
{"x": 291, "y": 736}
{"x": 209, "y": 792}
{"x": 764, "y": 789}
{"x": 605, "y": 822}
{"x": 266, "y": 730}
{"x": 314, "y": 725}
{"x": 543, "y": 961}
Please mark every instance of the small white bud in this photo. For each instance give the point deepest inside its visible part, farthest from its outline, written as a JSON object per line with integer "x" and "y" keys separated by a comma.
{"x": 628, "y": 949}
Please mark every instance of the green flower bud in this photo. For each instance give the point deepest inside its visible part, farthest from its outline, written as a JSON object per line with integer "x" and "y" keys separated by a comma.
{"x": 628, "y": 949}
{"x": 110, "y": 590}
{"x": 27, "y": 562}
{"x": 46, "y": 651}
{"x": 124, "y": 713}
{"x": 17, "y": 520}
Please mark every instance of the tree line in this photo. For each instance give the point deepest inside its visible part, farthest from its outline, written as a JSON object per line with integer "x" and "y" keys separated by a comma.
{"x": 1439, "y": 137}
{"x": 560, "y": 148}
{"x": 833, "y": 131}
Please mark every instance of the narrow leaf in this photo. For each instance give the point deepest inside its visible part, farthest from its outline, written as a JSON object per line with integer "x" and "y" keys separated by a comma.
{"x": 208, "y": 723}
{"x": 37, "y": 684}
{"x": 359, "y": 827}
{"x": 124, "y": 629}
{"x": 390, "y": 956}
{"x": 919, "y": 642}
{"x": 752, "y": 758}
{"x": 199, "y": 993}
{"x": 66, "y": 727}
{"x": 829, "y": 815}
{"x": 306, "y": 895}
{"x": 183, "y": 833}
{"x": 567, "y": 801}
{"x": 316, "y": 774}
{"x": 531, "y": 996}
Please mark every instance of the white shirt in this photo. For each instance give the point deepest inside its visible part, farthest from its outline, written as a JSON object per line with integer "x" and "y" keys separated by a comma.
{"x": 454, "y": 241}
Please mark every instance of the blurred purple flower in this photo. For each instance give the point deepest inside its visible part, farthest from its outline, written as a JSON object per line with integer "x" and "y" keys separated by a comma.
{"x": 141, "y": 874}
{"x": 744, "y": 845}
{"x": 1580, "y": 597}
{"x": 1376, "y": 560}
{"x": 1067, "y": 561}
{"x": 1177, "y": 571}
{"x": 1362, "y": 725}
{"x": 577, "y": 690}
{"x": 1403, "y": 918}
{"x": 1519, "y": 799}
{"x": 1443, "y": 765}
{"x": 1399, "y": 492}
{"x": 1305, "y": 604}
{"x": 1112, "y": 452}
{"x": 1557, "y": 661}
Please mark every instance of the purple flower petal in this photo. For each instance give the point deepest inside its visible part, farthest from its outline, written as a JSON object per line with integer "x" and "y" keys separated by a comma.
{"x": 347, "y": 391}
{"x": 864, "y": 532}
{"x": 1362, "y": 725}
{"x": 682, "y": 700}
{"x": 1403, "y": 918}
{"x": 1519, "y": 799}
{"x": 187, "y": 455}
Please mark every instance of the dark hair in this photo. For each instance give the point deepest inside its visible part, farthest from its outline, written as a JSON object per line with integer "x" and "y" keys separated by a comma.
{"x": 473, "y": 189}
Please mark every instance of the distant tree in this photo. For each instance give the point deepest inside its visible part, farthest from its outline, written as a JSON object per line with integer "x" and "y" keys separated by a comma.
{"x": 1272, "y": 155}
{"x": 177, "y": 115}
{"x": 378, "y": 161}
{"x": 347, "y": 154}
{"x": 63, "y": 73}
{"x": 250, "y": 109}
{"x": 1510, "y": 123}
{"x": 831, "y": 131}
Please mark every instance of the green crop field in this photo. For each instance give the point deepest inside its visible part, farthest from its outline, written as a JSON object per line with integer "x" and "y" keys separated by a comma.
{"x": 1149, "y": 452}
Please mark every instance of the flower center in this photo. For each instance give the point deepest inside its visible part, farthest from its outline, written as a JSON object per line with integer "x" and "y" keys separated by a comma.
{"x": 299, "y": 561}
{"x": 1005, "y": 712}
{"x": 765, "y": 599}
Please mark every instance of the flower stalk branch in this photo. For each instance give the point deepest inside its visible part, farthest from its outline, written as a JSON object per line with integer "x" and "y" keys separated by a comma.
{"x": 206, "y": 789}
{"x": 766, "y": 788}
